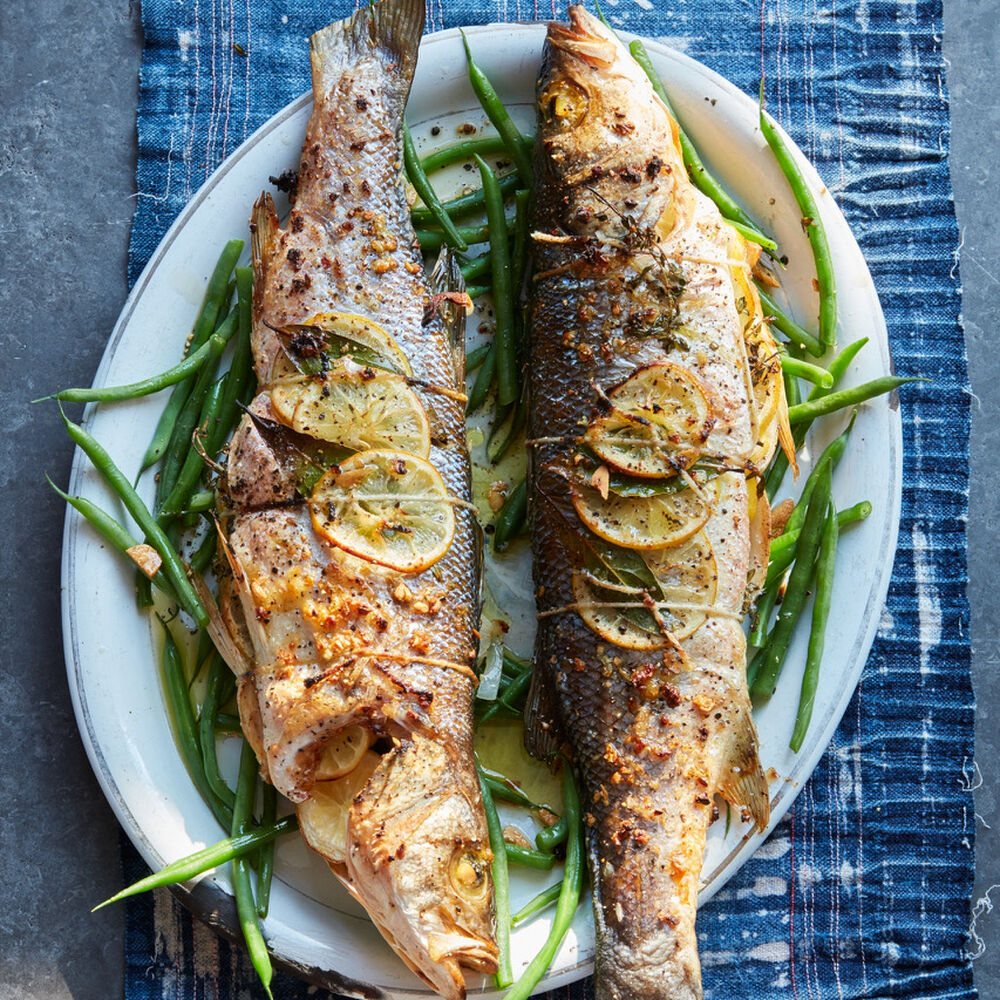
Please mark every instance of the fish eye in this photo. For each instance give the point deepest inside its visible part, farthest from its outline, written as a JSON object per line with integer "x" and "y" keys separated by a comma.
{"x": 468, "y": 873}
{"x": 564, "y": 104}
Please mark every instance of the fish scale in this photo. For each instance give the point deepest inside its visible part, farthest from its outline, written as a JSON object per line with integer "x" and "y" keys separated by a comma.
{"x": 633, "y": 267}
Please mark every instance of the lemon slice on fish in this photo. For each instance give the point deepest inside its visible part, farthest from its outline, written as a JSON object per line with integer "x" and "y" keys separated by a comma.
{"x": 619, "y": 618}
{"x": 356, "y": 407}
{"x": 689, "y": 579}
{"x": 349, "y": 334}
{"x": 323, "y": 816}
{"x": 658, "y": 420}
{"x": 343, "y": 753}
{"x": 644, "y": 522}
{"x": 389, "y": 507}
{"x": 646, "y": 617}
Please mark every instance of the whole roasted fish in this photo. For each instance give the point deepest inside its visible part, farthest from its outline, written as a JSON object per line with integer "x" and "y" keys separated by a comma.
{"x": 352, "y": 596}
{"x": 656, "y": 395}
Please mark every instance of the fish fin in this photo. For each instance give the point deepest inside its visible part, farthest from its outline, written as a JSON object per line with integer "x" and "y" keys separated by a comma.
{"x": 447, "y": 287}
{"x": 265, "y": 230}
{"x": 391, "y": 27}
{"x": 542, "y": 732}
{"x": 742, "y": 782}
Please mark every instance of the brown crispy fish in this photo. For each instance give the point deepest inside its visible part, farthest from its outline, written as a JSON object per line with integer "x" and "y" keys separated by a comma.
{"x": 655, "y": 396}
{"x": 352, "y": 594}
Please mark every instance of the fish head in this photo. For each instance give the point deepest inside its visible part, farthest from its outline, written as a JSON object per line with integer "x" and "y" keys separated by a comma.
{"x": 418, "y": 859}
{"x": 591, "y": 92}
{"x": 607, "y": 144}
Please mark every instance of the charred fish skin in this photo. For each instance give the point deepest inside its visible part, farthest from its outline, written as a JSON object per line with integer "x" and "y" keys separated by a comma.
{"x": 639, "y": 290}
{"x": 338, "y": 627}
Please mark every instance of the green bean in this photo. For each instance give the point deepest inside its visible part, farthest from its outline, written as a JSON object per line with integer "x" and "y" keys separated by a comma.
{"x": 753, "y": 667}
{"x": 813, "y": 223}
{"x": 751, "y": 234}
{"x": 501, "y": 884}
{"x": 180, "y": 440}
{"x": 226, "y": 723}
{"x": 475, "y": 358}
{"x": 182, "y": 715}
{"x": 791, "y": 329}
{"x": 837, "y": 369}
{"x": 831, "y": 455}
{"x": 811, "y": 409}
{"x": 514, "y": 424}
{"x": 502, "y": 788}
{"x": 213, "y": 303}
{"x": 516, "y": 689}
{"x": 194, "y": 462}
{"x": 552, "y": 836}
{"x": 483, "y": 381}
{"x": 810, "y": 372}
{"x": 697, "y": 170}
{"x": 242, "y": 889}
{"x": 172, "y": 567}
{"x": 821, "y": 612}
{"x": 466, "y": 149}
{"x": 540, "y": 902}
{"x": 411, "y": 164}
{"x": 207, "y": 858}
{"x": 798, "y": 586}
{"x": 206, "y": 732}
{"x": 202, "y": 556}
{"x": 240, "y": 383}
{"x": 527, "y": 857}
{"x": 476, "y": 267}
{"x": 515, "y": 662}
{"x": 511, "y": 517}
{"x": 569, "y": 896}
{"x": 467, "y": 204}
{"x": 845, "y": 518}
{"x": 503, "y": 296}
{"x": 265, "y": 867}
{"x": 431, "y": 240}
{"x": 514, "y": 142}
{"x": 765, "y": 607}
{"x": 201, "y": 501}
{"x": 201, "y": 657}
{"x": 133, "y": 390}
{"x": 522, "y": 224}
{"x": 112, "y": 532}
{"x": 477, "y": 291}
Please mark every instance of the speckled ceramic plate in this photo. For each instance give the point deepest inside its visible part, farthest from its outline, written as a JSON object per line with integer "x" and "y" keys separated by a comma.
{"x": 313, "y": 928}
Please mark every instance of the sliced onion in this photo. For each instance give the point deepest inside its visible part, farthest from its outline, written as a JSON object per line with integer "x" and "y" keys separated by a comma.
{"x": 489, "y": 682}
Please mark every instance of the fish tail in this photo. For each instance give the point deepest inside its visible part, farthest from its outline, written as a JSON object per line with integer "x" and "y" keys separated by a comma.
{"x": 391, "y": 29}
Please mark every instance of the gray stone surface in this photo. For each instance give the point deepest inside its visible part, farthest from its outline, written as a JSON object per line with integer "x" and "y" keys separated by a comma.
{"x": 68, "y": 89}
{"x": 67, "y": 151}
{"x": 973, "y": 76}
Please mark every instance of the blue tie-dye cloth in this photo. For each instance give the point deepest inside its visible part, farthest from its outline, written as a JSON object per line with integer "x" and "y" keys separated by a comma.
{"x": 863, "y": 890}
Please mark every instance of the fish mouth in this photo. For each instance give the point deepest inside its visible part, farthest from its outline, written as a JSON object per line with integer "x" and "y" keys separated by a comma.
{"x": 436, "y": 957}
{"x": 584, "y": 38}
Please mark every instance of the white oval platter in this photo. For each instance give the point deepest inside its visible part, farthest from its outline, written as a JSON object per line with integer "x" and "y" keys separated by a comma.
{"x": 313, "y": 928}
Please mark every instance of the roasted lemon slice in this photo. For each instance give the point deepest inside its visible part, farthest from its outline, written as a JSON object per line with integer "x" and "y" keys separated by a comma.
{"x": 688, "y": 578}
{"x": 644, "y": 522}
{"x": 356, "y": 407}
{"x": 343, "y": 753}
{"x": 340, "y": 334}
{"x": 617, "y": 617}
{"x": 323, "y": 817}
{"x": 659, "y": 419}
{"x": 389, "y": 507}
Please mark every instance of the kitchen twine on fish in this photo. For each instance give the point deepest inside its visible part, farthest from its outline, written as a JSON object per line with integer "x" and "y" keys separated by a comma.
{"x": 863, "y": 890}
